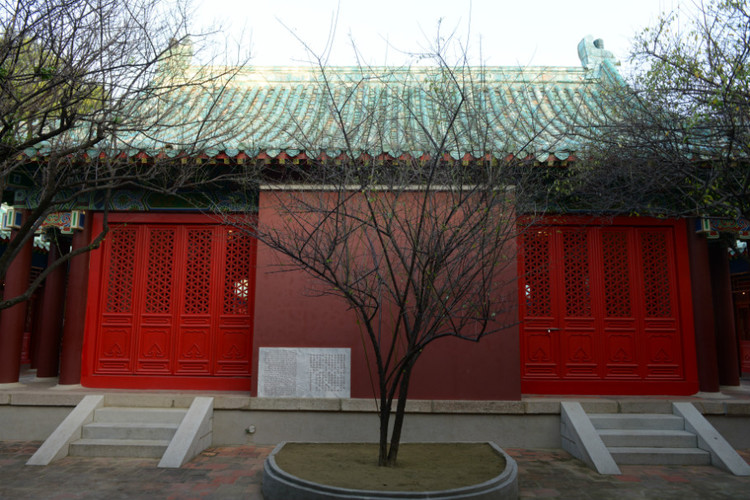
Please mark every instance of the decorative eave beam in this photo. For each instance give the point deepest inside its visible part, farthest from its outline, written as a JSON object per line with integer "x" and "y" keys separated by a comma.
{"x": 301, "y": 158}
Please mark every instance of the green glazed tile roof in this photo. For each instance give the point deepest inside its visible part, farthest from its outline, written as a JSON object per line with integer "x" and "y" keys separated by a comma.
{"x": 531, "y": 111}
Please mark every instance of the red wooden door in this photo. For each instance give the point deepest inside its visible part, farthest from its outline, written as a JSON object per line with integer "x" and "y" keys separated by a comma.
{"x": 741, "y": 296}
{"x": 601, "y": 311}
{"x": 174, "y": 307}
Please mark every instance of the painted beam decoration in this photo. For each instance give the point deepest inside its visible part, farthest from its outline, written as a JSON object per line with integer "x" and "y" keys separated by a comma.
{"x": 67, "y": 222}
{"x": 713, "y": 227}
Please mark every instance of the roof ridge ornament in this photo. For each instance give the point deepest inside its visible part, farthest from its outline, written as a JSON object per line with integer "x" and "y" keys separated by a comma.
{"x": 593, "y": 54}
{"x": 177, "y": 57}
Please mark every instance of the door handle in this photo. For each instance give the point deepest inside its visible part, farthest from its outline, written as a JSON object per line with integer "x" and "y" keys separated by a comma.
{"x": 550, "y": 330}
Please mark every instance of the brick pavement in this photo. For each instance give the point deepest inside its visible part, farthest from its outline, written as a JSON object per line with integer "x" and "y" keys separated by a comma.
{"x": 235, "y": 472}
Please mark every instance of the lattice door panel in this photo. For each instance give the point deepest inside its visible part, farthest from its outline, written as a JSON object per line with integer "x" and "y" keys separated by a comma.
{"x": 115, "y": 339}
{"x": 233, "y": 346}
{"x": 177, "y": 301}
{"x": 194, "y": 345}
{"x": 598, "y": 304}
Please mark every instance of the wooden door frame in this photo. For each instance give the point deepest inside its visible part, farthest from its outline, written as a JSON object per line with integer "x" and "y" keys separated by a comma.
{"x": 689, "y": 384}
{"x": 97, "y": 265}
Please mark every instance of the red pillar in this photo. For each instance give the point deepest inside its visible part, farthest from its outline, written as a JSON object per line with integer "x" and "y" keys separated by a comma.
{"x": 75, "y": 309}
{"x": 703, "y": 311}
{"x": 13, "y": 319}
{"x": 47, "y": 344}
{"x": 32, "y": 330}
{"x": 726, "y": 335}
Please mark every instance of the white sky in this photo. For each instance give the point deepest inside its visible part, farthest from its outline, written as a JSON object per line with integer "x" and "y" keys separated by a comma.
{"x": 511, "y": 32}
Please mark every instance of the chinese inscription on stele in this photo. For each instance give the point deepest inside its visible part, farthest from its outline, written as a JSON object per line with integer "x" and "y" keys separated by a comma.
{"x": 292, "y": 372}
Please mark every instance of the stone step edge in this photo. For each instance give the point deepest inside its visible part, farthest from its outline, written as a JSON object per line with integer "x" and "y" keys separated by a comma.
{"x": 134, "y": 425}
{"x": 643, "y": 450}
{"x": 635, "y": 421}
{"x": 116, "y": 414}
{"x": 644, "y": 432}
{"x": 120, "y": 442}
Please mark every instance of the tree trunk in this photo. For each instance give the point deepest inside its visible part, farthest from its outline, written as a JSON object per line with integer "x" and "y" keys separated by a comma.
{"x": 385, "y": 417}
{"x": 398, "y": 421}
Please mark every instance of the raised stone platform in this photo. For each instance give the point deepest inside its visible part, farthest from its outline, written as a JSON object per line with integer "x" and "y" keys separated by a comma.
{"x": 32, "y": 409}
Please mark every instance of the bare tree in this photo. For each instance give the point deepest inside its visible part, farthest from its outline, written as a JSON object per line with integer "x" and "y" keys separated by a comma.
{"x": 91, "y": 92}
{"x": 403, "y": 206}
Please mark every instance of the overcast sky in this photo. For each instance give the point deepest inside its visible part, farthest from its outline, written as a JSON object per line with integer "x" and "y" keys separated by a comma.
{"x": 534, "y": 32}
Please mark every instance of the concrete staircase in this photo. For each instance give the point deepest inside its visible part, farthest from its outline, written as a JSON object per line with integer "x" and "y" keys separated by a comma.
{"x": 649, "y": 439}
{"x": 684, "y": 437}
{"x": 175, "y": 435}
{"x": 128, "y": 432}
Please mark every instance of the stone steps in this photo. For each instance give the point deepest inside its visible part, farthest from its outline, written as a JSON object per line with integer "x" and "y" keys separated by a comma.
{"x": 139, "y": 414}
{"x": 128, "y": 432}
{"x": 92, "y": 429}
{"x": 131, "y": 448}
{"x": 641, "y": 421}
{"x": 633, "y": 455}
{"x": 683, "y": 437}
{"x": 648, "y": 439}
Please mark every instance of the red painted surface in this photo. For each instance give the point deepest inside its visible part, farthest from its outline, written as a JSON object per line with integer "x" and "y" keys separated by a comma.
{"x": 76, "y": 296}
{"x": 26, "y": 349}
{"x": 703, "y": 311}
{"x": 605, "y": 308}
{"x": 47, "y": 346}
{"x": 726, "y": 335}
{"x": 174, "y": 304}
{"x": 745, "y": 355}
{"x": 13, "y": 319}
{"x": 741, "y": 293}
{"x": 288, "y": 315}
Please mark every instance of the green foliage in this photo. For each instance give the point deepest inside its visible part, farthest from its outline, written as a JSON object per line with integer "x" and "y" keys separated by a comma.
{"x": 678, "y": 140}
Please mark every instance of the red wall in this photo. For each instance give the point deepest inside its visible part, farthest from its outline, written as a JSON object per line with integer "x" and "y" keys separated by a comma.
{"x": 288, "y": 315}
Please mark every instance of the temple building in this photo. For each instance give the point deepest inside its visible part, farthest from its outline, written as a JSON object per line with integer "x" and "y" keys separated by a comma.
{"x": 174, "y": 296}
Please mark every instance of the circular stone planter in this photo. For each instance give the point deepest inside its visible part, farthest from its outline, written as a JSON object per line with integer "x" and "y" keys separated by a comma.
{"x": 280, "y": 485}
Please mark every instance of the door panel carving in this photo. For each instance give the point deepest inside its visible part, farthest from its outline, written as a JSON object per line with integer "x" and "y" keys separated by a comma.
{"x": 598, "y": 304}
{"x": 177, "y": 301}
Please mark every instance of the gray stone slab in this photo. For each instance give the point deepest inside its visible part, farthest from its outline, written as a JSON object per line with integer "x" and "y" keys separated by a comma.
{"x": 27, "y": 398}
{"x": 232, "y": 402}
{"x": 359, "y": 405}
{"x": 722, "y": 454}
{"x": 710, "y": 407}
{"x": 57, "y": 445}
{"x": 418, "y": 406}
{"x": 653, "y": 421}
{"x": 307, "y": 404}
{"x": 4, "y": 398}
{"x": 645, "y": 406}
{"x": 737, "y": 408}
{"x": 648, "y": 437}
{"x": 139, "y": 414}
{"x": 541, "y": 406}
{"x": 130, "y": 448}
{"x": 631, "y": 455}
{"x": 481, "y": 407}
{"x": 599, "y": 405}
{"x": 128, "y": 430}
{"x": 146, "y": 400}
{"x": 192, "y": 436}
{"x": 587, "y": 446}
{"x": 370, "y": 405}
